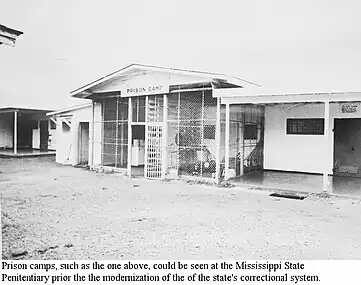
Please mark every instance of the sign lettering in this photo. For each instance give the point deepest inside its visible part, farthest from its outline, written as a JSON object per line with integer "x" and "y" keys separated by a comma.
{"x": 347, "y": 108}
{"x": 145, "y": 90}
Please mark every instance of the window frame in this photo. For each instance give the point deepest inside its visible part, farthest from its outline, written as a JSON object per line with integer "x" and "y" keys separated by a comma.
{"x": 306, "y": 126}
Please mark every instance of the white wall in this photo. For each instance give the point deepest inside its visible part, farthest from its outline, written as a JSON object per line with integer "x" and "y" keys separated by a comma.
{"x": 36, "y": 138}
{"x": 6, "y": 131}
{"x": 67, "y": 141}
{"x": 304, "y": 153}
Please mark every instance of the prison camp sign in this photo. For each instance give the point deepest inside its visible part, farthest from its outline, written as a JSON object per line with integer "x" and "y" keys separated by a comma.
{"x": 149, "y": 89}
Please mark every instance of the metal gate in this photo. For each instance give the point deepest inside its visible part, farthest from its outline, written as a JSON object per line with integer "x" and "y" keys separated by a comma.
{"x": 154, "y": 151}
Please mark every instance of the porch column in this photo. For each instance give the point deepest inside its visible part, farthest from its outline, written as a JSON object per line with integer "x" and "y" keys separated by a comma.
{"x": 129, "y": 165}
{"x": 241, "y": 139}
{"x": 218, "y": 140}
{"x": 91, "y": 153}
{"x": 226, "y": 162}
{"x": 146, "y": 136}
{"x": 165, "y": 136}
{"x": 15, "y": 132}
{"x": 325, "y": 184}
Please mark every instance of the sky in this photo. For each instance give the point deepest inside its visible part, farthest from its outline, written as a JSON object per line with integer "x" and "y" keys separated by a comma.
{"x": 285, "y": 46}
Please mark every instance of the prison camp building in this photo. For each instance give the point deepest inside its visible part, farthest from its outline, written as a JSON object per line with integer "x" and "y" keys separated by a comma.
{"x": 171, "y": 123}
{"x": 166, "y": 123}
{"x": 26, "y": 132}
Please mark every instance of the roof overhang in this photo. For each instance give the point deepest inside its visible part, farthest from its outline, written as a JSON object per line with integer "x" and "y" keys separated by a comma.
{"x": 239, "y": 96}
{"x": 24, "y": 111}
{"x": 68, "y": 110}
{"x": 8, "y": 36}
{"x": 174, "y": 78}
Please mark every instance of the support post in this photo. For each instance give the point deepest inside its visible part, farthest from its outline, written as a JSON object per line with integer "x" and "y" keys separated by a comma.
{"x": 226, "y": 162}
{"x": 165, "y": 136}
{"x": 218, "y": 140}
{"x": 325, "y": 184}
{"x": 146, "y": 136}
{"x": 91, "y": 155}
{"x": 130, "y": 117}
{"x": 116, "y": 131}
{"x": 241, "y": 139}
{"x": 15, "y": 132}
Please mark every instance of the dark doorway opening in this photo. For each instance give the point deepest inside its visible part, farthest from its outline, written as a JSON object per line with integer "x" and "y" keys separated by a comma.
{"x": 83, "y": 157}
{"x": 44, "y": 135}
{"x": 347, "y": 147}
{"x": 25, "y": 131}
{"x": 138, "y": 150}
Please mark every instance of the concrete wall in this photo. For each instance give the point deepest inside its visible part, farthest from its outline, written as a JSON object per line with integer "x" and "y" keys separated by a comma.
{"x": 6, "y": 130}
{"x": 67, "y": 144}
{"x": 304, "y": 153}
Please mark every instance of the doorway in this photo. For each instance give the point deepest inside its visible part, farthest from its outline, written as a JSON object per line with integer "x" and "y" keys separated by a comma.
{"x": 138, "y": 150}
{"x": 347, "y": 147}
{"x": 83, "y": 156}
{"x": 44, "y": 135}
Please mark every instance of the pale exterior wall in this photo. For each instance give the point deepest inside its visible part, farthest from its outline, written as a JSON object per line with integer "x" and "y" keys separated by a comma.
{"x": 36, "y": 138}
{"x": 303, "y": 153}
{"x": 67, "y": 142}
{"x": 52, "y": 138}
{"x": 6, "y": 131}
{"x": 63, "y": 146}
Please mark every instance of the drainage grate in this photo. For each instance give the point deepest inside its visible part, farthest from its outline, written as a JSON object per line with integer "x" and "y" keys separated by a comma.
{"x": 287, "y": 196}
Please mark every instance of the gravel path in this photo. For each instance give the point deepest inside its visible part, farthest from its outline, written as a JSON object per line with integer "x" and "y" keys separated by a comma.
{"x": 60, "y": 212}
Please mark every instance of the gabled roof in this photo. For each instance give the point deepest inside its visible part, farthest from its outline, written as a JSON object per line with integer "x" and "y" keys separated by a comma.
{"x": 231, "y": 80}
{"x": 69, "y": 109}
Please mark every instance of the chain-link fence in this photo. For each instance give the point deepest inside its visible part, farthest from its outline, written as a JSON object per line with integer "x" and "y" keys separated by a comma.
{"x": 192, "y": 134}
{"x": 245, "y": 139}
{"x": 114, "y": 132}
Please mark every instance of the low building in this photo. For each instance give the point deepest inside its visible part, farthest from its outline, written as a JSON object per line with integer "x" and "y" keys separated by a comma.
{"x": 166, "y": 123}
{"x": 72, "y": 132}
{"x": 26, "y": 132}
{"x": 170, "y": 123}
{"x": 317, "y": 133}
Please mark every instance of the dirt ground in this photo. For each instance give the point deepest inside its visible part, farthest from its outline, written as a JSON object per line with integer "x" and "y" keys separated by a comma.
{"x": 50, "y": 211}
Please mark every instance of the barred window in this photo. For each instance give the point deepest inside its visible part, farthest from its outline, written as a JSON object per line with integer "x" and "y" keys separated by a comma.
{"x": 305, "y": 126}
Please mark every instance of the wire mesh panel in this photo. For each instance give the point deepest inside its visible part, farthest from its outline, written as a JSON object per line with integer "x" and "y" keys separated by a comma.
{"x": 114, "y": 132}
{"x": 246, "y": 128}
{"x": 192, "y": 134}
{"x": 154, "y": 152}
{"x": 155, "y": 108}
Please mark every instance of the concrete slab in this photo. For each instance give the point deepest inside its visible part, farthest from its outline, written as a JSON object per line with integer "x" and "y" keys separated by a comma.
{"x": 300, "y": 182}
{"x": 9, "y": 153}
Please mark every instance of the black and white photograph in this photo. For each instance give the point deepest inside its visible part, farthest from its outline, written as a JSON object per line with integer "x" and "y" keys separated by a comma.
{"x": 180, "y": 130}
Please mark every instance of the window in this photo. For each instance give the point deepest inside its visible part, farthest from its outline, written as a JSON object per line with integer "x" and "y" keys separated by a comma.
{"x": 305, "y": 126}
{"x": 209, "y": 132}
{"x": 250, "y": 132}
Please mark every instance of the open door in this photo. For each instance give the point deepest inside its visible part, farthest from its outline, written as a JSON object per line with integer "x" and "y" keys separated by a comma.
{"x": 44, "y": 135}
{"x": 83, "y": 143}
{"x": 347, "y": 147}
